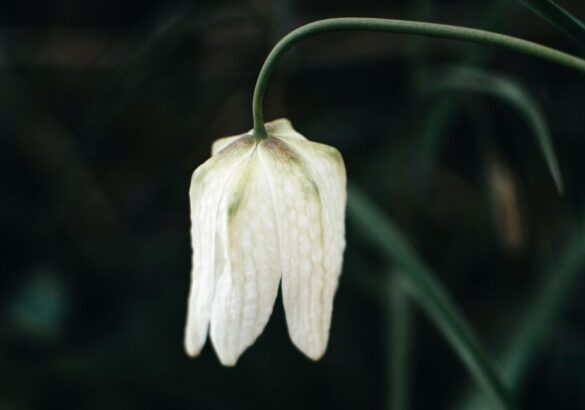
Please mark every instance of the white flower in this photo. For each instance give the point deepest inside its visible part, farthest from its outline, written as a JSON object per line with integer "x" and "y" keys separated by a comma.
{"x": 262, "y": 211}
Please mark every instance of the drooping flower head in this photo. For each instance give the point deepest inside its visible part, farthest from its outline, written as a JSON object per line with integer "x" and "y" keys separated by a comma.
{"x": 262, "y": 211}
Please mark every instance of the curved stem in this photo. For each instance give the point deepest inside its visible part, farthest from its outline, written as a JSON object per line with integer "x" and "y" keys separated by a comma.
{"x": 397, "y": 26}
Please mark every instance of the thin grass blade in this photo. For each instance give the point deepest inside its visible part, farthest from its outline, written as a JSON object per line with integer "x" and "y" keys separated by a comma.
{"x": 375, "y": 228}
{"x": 537, "y": 324}
{"x": 560, "y": 18}
{"x": 510, "y": 92}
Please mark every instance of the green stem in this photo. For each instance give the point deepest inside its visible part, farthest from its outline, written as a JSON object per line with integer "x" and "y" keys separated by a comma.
{"x": 397, "y": 26}
{"x": 429, "y": 293}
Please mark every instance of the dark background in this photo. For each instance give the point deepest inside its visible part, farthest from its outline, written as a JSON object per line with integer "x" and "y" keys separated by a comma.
{"x": 106, "y": 108}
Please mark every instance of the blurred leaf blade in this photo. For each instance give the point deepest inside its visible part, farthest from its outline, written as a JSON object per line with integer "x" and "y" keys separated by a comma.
{"x": 560, "y": 18}
{"x": 510, "y": 92}
{"x": 540, "y": 314}
{"x": 381, "y": 233}
{"x": 497, "y": 16}
{"x": 400, "y": 314}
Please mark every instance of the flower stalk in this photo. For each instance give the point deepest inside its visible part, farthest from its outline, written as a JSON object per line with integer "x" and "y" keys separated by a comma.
{"x": 397, "y": 26}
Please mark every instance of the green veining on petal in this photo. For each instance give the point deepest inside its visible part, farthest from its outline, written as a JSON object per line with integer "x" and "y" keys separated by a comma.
{"x": 239, "y": 193}
{"x": 287, "y": 154}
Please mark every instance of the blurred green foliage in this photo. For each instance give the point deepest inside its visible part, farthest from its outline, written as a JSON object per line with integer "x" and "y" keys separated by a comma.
{"x": 107, "y": 107}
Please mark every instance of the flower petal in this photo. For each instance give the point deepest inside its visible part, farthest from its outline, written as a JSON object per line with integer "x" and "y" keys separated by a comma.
{"x": 282, "y": 128}
{"x": 309, "y": 189}
{"x": 248, "y": 283}
{"x": 221, "y": 143}
{"x": 208, "y": 184}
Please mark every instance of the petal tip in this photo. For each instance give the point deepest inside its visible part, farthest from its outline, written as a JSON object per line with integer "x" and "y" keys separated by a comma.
{"x": 225, "y": 358}
{"x": 193, "y": 347}
{"x": 191, "y": 351}
{"x": 316, "y": 356}
{"x": 312, "y": 352}
{"x": 228, "y": 362}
